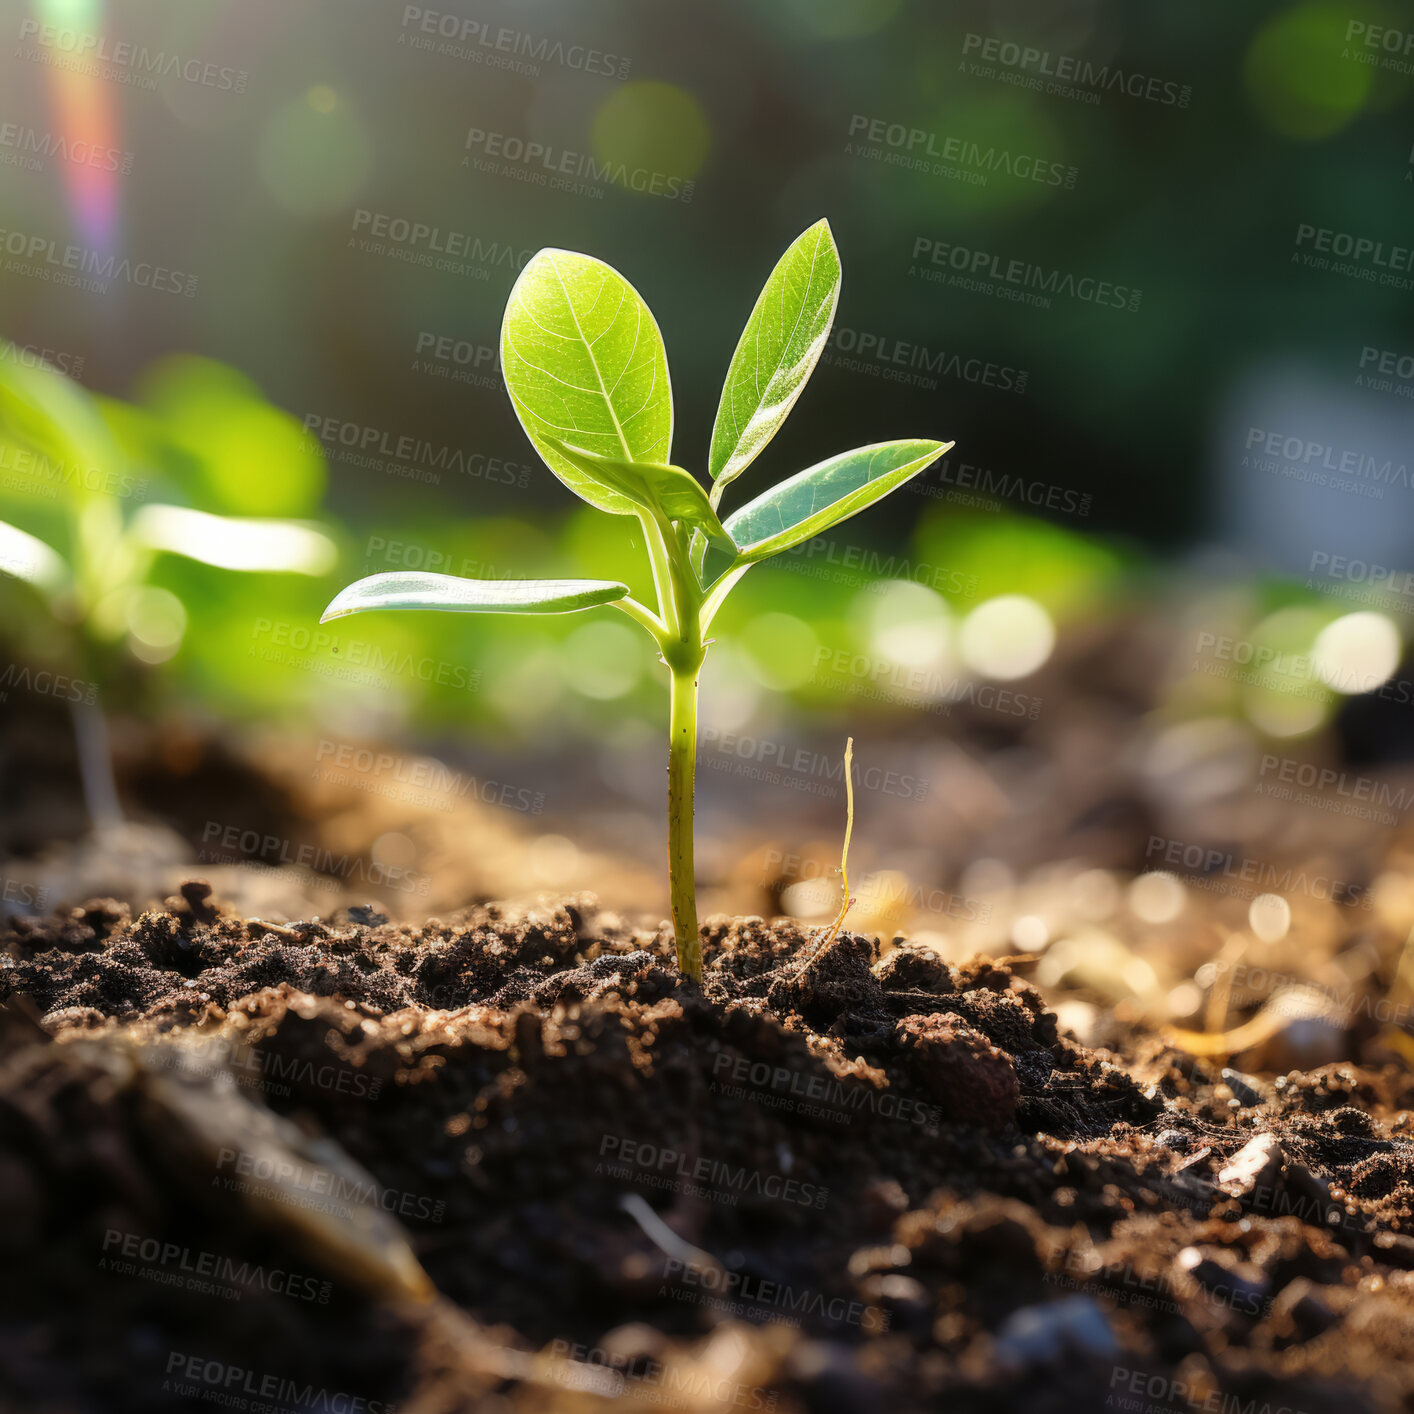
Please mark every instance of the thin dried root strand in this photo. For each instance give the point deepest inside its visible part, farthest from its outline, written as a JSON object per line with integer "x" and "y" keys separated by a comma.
{"x": 848, "y": 901}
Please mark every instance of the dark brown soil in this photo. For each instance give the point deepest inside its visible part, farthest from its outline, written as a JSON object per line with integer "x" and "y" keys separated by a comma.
{"x": 827, "y": 1180}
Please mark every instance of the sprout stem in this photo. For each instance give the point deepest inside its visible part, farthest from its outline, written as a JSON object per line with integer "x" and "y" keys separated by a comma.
{"x": 658, "y": 557}
{"x": 717, "y": 595}
{"x": 682, "y": 766}
{"x": 677, "y": 628}
{"x": 641, "y": 614}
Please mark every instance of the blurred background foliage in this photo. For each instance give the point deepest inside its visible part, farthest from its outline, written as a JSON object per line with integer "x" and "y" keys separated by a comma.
{"x": 266, "y": 191}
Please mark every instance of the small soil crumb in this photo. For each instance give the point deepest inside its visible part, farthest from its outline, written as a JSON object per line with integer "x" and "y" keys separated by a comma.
{"x": 973, "y": 1081}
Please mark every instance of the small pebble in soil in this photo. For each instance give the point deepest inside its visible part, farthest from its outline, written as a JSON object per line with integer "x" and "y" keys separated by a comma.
{"x": 1254, "y": 1169}
{"x": 1244, "y": 1296}
{"x": 1243, "y": 1087}
{"x": 1041, "y": 1335}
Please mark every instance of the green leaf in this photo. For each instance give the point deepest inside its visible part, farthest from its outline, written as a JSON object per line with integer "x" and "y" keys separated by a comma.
{"x": 777, "y": 352}
{"x": 823, "y": 495}
{"x": 43, "y": 410}
{"x": 235, "y": 542}
{"x": 223, "y": 443}
{"x": 583, "y": 360}
{"x": 668, "y": 492}
{"x": 455, "y": 595}
{"x": 28, "y": 558}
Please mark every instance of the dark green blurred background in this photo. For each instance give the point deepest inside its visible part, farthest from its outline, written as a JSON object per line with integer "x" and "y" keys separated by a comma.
{"x": 1116, "y": 251}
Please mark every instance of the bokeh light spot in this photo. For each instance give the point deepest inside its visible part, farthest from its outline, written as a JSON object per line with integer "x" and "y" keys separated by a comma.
{"x": 1269, "y": 917}
{"x": 602, "y": 660}
{"x": 1279, "y": 694}
{"x": 780, "y": 650}
{"x": 1094, "y": 894}
{"x": 393, "y": 850}
{"x": 811, "y": 898}
{"x": 1284, "y": 715}
{"x": 1030, "y": 933}
{"x": 1357, "y": 653}
{"x": 1007, "y": 637}
{"x": 314, "y": 155}
{"x": 156, "y": 621}
{"x": 1298, "y": 76}
{"x": 907, "y": 623}
{"x": 730, "y": 693}
{"x": 554, "y": 859}
{"x": 1157, "y": 897}
{"x": 656, "y": 131}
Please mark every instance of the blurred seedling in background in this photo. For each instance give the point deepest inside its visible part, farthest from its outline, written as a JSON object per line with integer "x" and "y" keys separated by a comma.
{"x": 588, "y": 375}
{"x": 78, "y": 467}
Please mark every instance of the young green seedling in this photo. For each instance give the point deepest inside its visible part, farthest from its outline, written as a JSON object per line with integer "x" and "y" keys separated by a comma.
{"x": 59, "y": 434}
{"x": 587, "y": 373}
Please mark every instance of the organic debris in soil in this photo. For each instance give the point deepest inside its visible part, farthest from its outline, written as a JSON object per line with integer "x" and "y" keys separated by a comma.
{"x": 515, "y": 1160}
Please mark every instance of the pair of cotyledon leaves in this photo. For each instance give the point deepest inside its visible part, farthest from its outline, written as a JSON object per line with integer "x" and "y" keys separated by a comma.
{"x": 588, "y": 375}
